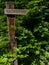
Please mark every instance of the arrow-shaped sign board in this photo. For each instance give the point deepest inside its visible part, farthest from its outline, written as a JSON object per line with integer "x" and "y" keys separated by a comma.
{"x": 15, "y": 11}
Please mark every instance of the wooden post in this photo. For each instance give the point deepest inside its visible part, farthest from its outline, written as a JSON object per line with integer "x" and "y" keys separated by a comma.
{"x": 11, "y": 31}
{"x": 10, "y": 12}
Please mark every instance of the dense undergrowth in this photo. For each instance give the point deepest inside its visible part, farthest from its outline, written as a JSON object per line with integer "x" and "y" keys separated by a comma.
{"x": 32, "y": 34}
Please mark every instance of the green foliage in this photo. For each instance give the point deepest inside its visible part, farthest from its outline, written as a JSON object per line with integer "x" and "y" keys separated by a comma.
{"x": 32, "y": 34}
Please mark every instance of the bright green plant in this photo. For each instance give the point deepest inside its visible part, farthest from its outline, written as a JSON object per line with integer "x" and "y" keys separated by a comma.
{"x": 32, "y": 34}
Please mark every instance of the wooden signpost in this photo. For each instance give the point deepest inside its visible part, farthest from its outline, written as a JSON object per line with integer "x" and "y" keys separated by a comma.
{"x": 15, "y": 11}
{"x": 10, "y": 12}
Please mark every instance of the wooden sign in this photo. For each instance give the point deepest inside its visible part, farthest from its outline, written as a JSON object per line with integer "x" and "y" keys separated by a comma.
{"x": 15, "y": 11}
{"x": 10, "y": 12}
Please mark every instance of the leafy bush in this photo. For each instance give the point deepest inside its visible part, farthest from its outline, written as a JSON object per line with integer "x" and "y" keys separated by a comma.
{"x": 32, "y": 34}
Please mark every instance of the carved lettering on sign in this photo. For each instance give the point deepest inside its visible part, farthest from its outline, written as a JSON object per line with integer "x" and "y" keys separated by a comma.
{"x": 15, "y": 11}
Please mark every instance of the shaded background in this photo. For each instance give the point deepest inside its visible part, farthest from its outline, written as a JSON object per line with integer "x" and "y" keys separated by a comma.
{"x": 32, "y": 33}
